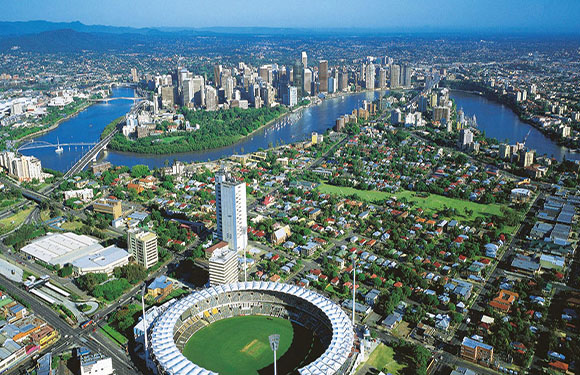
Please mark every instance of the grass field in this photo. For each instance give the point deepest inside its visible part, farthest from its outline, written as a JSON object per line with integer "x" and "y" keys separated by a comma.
{"x": 11, "y": 222}
{"x": 382, "y": 358}
{"x": 113, "y": 334}
{"x": 71, "y": 225}
{"x": 431, "y": 204}
{"x": 240, "y": 345}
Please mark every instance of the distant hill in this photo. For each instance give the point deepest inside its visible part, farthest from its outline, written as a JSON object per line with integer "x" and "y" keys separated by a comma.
{"x": 35, "y": 27}
{"x": 66, "y": 41}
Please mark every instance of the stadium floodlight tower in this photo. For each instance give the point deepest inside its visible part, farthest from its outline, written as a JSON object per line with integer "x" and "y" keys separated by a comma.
{"x": 274, "y": 342}
{"x": 143, "y": 291}
{"x": 353, "y": 288}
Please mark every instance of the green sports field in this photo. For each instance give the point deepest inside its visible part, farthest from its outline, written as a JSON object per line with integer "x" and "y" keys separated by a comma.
{"x": 240, "y": 345}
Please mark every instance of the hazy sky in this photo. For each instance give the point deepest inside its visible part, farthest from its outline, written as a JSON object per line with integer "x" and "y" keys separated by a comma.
{"x": 524, "y": 15}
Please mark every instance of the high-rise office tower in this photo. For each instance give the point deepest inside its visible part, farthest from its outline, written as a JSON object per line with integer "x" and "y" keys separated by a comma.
{"x": 229, "y": 87}
{"x": 423, "y": 103}
{"x": 342, "y": 81}
{"x": 155, "y": 104}
{"x": 406, "y": 76}
{"x": 370, "y": 77}
{"x": 265, "y": 73}
{"x": 198, "y": 90}
{"x": 217, "y": 73}
{"x": 223, "y": 267}
{"x": 231, "y": 215}
{"x": 395, "y": 76}
{"x": 134, "y": 75}
{"x": 298, "y": 77}
{"x": 168, "y": 96}
{"x": 382, "y": 78}
{"x": 307, "y": 88}
{"x": 304, "y": 59}
{"x": 143, "y": 247}
{"x": 323, "y": 75}
{"x": 211, "y": 98}
{"x": 290, "y": 98}
{"x": 187, "y": 92}
{"x": 332, "y": 83}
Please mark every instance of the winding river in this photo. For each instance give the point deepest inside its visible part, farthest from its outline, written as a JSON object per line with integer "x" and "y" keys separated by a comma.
{"x": 500, "y": 122}
{"x": 495, "y": 119}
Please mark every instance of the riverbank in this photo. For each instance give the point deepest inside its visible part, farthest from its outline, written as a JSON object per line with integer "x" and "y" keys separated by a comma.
{"x": 217, "y": 129}
{"x": 125, "y": 150}
{"x": 524, "y": 117}
{"x": 56, "y": 124}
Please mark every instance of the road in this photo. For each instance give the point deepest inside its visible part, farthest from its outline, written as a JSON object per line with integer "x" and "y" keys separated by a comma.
{"x": 95, "y": 341}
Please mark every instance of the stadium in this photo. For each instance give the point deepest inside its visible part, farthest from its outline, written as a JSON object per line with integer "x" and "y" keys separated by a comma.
{"x": 211, "y": 322}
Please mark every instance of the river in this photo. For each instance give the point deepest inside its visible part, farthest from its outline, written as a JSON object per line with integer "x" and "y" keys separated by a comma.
{"x": 500, "y": 122}
{"x": 88, "y": 125}
{"x": 85, "y": 127}
{"x": 495, "y": 119}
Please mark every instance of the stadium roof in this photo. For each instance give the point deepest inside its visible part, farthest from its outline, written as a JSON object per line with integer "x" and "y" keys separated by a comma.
{"x": 174, "y": 362}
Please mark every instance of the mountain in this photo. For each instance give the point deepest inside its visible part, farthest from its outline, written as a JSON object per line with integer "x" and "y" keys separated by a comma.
{"x": 35, "y": 27}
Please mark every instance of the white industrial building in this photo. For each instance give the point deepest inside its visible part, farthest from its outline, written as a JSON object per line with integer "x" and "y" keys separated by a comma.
{"x": 83, "y": 252}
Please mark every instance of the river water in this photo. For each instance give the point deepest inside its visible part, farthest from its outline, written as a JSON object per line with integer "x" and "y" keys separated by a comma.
{"x": 495, "y": 119}
{"x": 500, "y": 122}
{"x": 87, "y": 127}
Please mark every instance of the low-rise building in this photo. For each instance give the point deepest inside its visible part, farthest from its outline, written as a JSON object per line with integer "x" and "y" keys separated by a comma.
{"x": 476, "y": 351}
{"x": 109, "y": 206}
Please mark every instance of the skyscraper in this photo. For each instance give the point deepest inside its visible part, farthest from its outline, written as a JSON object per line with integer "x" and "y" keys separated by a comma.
{"x": 223, "y": 267}
{"x": 323, "y": 75}
{"x": 187, "y": 92}
{"x": 342, "y": 81}
{"x": 143, "y": 247}
{"x": 229, "y": 87}
{"x": 304, "y": 59}
{"x": 211, "y": 99}
{"x": 395, "y": 76}
{"x": 307, "y": 88}
{"x": 406, "y": 76}
{"x": 217, "y": 72}
{"x": 198, "y": 90}
{"x": 298, "y": 77}
{"x": 231, "y": 215}
{"x": 370, "y": 77}
{"x": 290, "y": 98}
{"x": 382, "y": 78}
{"x": 134, "y": 75}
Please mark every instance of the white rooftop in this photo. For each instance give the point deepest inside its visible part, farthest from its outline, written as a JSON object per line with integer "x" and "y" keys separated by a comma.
{"x": 57, "y": 248}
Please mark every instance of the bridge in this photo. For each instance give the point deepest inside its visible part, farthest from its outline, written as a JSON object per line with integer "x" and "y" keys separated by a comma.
{"x": 425, "y": 90}
{"x": 91, "y": 155}
{"x": 33, "y": 145}
{"x": 106, "y": 100}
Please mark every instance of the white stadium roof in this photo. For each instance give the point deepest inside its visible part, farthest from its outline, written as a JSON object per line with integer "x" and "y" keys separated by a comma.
{"x": 174, "y": 362}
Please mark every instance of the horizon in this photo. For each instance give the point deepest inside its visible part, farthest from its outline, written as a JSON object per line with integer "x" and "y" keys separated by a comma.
{"x": 419, "y": 16}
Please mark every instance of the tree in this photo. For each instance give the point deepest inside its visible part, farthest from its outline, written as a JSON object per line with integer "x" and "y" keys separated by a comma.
{"x": 140, "y": 170}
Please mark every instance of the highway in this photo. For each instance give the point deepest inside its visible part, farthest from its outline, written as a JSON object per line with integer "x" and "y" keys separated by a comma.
{"x": 90, "y": 155}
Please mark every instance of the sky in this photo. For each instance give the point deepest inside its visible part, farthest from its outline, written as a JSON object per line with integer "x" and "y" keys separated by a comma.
{"x": 404, "y": 15}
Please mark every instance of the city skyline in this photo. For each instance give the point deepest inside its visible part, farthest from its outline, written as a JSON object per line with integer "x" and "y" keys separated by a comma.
{"x": 392, "y": 16}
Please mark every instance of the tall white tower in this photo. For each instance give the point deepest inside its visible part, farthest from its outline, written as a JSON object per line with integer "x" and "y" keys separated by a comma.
{"x": 231, "y": 215}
